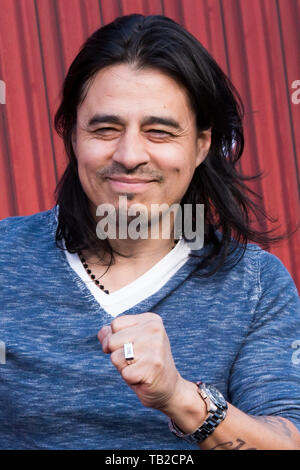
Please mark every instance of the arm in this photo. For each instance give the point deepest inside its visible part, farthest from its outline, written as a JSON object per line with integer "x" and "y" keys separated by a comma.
{"x": 263, "y": 384}
{"x": 239, "y": 431}
{"x": 157, "y": 383}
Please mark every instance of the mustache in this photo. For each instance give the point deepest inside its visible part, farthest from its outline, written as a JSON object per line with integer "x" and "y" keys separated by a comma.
{"x": 120, "y": 170}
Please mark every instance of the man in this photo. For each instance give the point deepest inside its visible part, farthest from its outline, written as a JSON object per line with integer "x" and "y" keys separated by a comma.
{"x": 197, "y": 338}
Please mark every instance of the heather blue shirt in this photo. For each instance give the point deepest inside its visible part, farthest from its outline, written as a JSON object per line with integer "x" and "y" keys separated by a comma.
{"x": 58, "y": 390}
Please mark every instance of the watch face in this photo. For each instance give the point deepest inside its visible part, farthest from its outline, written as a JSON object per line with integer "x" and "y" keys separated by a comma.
{"x": 216, "y": 396}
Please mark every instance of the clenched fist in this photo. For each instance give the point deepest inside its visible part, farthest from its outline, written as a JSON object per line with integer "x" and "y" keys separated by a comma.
{"x": 152, "y": 375}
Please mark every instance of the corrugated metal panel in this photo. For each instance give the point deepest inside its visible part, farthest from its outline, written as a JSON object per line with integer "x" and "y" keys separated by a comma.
{"x": 257, "y": 43}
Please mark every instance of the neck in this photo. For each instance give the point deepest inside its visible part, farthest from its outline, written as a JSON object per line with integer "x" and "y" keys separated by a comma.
{"x": 141, "y": 250}
{"x": 137, "y": 252}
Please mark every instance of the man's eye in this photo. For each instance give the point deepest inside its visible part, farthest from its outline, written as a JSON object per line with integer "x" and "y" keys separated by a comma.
{"x": 159, "y": 133}
{"x": 106, "y": 129}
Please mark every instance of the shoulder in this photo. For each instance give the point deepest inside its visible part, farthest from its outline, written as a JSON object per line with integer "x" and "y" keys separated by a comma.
{"x": 19, "y": 229}
{"x": 261, "y": 262}
{"x": 278, "y": 303}
{"x": 255, "y": 271}
{"x": 271, "y": 271}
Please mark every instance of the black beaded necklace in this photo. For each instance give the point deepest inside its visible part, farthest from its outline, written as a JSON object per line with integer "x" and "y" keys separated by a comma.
{"x": 93, "y": 277}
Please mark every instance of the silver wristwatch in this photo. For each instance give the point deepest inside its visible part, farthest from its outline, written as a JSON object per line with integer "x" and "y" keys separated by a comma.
{"x": 216, "y": 407}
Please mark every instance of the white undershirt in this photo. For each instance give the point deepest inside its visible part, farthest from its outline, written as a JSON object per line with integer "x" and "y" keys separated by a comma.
{"x": 142, "y": 287}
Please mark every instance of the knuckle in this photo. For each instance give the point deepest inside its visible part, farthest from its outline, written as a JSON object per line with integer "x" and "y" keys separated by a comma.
{"x": 157, "y": 365}
{"x": 115, "y": 360}
{"x": 114, "y": 325}
{"x": 154, "y": 316}
{"x": 124, "y": 373}
{"x": 156, "y": 326}
{"x": 110, "y": 343}
{"x": 130, "y": 376}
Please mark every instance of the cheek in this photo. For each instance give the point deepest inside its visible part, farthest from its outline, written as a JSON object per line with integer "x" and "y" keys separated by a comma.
{"x": 178, "y": 179}
{"x": 91, "y": 153}
{"x": 178, "y": 157}
{"x": 179, "y": 165}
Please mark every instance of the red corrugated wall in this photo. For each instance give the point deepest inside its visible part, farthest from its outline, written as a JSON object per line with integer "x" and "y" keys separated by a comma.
{"x": 256, "y": 42}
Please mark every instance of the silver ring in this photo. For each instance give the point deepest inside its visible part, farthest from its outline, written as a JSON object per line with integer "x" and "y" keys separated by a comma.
{"x": 128, "y": 353}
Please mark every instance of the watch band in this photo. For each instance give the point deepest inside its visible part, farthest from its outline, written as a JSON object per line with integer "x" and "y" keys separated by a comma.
{"x": 217, "y": 413}
{"x": 208, "y": 426}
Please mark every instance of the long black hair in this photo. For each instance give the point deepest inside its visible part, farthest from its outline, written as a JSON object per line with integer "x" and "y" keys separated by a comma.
{"x": 160, "y": 43}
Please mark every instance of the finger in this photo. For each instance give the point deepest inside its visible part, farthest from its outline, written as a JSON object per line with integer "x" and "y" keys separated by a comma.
{"x": 103, "y": 335}
{"x": 118, "y": 360}
{"x": 147, "y": 327}
{"x": 126, "y": 321}
{"x": 132, "y": 377}
{"x": 134, "y": 335}
{"x": 105, "y": 330}
{"x": 133, "y": 374}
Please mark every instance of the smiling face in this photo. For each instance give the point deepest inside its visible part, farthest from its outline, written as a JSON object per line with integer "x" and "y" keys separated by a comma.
{"x": 136, "y": 135}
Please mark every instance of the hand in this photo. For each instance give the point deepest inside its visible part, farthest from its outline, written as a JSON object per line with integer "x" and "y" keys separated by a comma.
{"x": 152, "y": 375}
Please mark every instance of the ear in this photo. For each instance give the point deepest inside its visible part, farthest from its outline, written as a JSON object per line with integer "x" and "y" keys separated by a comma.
{"x": 203, "y": 145}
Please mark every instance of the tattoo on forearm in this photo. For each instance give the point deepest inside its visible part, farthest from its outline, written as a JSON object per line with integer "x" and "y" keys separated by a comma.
{"x": 275, "y": 422}
{"x": 229, "y": 445}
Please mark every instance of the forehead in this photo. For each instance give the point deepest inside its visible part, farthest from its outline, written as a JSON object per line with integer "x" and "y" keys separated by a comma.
{"x": 122, "y": 89}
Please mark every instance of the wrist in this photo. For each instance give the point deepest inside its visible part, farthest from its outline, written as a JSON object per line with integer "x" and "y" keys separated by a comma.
{"x": 186, "y": 408}
{"x": 216, "y": 407}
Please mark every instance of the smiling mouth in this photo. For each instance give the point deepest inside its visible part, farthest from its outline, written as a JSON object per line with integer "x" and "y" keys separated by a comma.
{"x": 124, "y": 179}
{"x": 119, "y": 183}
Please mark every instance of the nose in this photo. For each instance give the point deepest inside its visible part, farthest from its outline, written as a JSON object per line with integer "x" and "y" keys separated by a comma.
{"x": 130, "y": 151}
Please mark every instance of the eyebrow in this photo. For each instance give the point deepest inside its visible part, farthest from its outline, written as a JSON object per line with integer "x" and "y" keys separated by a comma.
{"x": 148, "y": 120}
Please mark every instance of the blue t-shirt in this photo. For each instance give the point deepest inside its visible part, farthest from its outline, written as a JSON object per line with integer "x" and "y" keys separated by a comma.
{"x": 237, "y": 329}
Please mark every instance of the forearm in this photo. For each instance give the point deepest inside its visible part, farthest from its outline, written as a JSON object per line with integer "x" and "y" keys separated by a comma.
{"x": 238, "y": 431}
